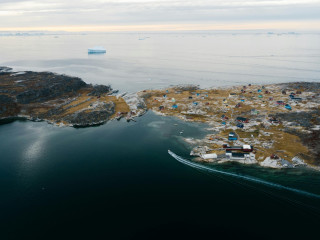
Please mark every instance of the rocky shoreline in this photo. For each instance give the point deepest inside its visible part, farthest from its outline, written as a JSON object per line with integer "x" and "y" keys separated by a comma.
{"x": 274, "y": 125}
{"x": 61, "y": 100}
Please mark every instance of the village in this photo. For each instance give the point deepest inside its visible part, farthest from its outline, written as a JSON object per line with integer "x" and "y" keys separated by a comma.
{"x": 271, "y": 125}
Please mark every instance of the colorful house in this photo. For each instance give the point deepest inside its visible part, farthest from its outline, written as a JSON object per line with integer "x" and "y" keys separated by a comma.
{"x": 240, "y": 125}
{"x": 232, "y": 136}
{"x": 242, "y": 119}
{"x": 287, "y": 106}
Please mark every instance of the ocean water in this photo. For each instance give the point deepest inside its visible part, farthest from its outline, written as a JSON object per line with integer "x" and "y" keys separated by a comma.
{"x": 161, "y": 59}
{"x": 117, "y": 181}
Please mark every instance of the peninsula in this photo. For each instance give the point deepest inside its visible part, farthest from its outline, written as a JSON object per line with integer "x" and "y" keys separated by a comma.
{"x": 58, "y": 99}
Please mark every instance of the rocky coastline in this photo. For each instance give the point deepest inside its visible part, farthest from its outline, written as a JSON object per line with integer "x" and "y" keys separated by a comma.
{"x": 279, "y": 122}
{"x": 60, "y": 99}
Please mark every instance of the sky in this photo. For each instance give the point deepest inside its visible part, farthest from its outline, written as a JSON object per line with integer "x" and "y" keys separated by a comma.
{"x": 153, "y": 15}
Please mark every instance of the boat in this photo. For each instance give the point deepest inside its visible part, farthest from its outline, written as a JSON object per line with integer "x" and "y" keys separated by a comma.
{"x": 97, "y": 50}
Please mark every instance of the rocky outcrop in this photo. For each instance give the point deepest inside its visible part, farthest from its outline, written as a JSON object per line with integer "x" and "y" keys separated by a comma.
{"x": 6, "y": 99}
{"x": 8, "y": 105}
{"x": 276, "y": 163}
{"x": 5, "y": 69}
{"x": 55, "y": 98}
{"x": 99, "y": 90}
{"x": 40, "y": 87}
{"x": 136, "y": 104}
{"x": 87, "y": 118}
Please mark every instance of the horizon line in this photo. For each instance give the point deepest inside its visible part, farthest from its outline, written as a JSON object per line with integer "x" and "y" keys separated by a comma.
{"x": 296, "y": 26}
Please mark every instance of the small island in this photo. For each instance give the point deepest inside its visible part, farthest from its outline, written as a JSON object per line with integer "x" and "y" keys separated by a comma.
{"x": 276, "y": 125}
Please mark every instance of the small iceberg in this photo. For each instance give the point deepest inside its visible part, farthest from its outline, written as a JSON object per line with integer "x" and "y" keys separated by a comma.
{"x": 96, "y": 50}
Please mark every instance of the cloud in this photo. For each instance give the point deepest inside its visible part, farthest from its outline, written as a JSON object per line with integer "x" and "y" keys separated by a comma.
{"x": 46, "y": 13}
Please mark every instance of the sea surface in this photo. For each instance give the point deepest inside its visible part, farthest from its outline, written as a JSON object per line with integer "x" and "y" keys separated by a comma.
{"x": 117, "y": 181}
{"x": 136, "y": 61}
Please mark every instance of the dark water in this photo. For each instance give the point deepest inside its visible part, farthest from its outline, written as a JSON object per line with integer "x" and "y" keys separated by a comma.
{"x": 117, "y": 181}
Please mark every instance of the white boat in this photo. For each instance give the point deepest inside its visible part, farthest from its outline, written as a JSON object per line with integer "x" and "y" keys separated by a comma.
{"x": 97, "y": 50}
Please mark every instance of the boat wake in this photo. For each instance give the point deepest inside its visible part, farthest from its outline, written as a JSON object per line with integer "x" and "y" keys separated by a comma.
{"x": 248, "y": 178}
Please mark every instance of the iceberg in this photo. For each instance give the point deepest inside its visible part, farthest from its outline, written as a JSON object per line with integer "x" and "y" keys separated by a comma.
{"x": 97, "y": 50}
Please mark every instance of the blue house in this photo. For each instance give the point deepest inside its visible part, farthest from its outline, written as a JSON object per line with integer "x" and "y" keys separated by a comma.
{"x": 240, "y": 125}
{"x": 294, "y": 98}
{"x": 287, "y": 106}
{"x": 232, "y": 136}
